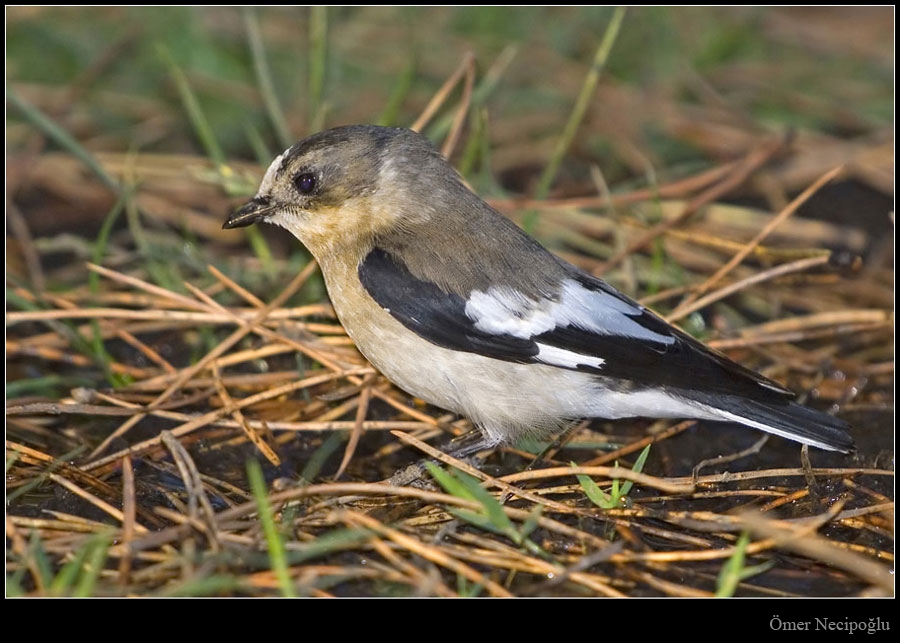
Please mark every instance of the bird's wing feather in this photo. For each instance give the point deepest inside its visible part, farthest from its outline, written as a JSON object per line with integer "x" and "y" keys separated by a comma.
{"x": 433, "y": 314}
{"x": 587, "y": 325}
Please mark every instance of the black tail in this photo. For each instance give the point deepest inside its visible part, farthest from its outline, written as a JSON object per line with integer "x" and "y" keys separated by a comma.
{"x": 786, "y": 419}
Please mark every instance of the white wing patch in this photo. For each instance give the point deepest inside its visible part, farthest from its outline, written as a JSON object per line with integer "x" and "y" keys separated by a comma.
{"x": 567, "y": 359}
{"x": 505, "y": 311}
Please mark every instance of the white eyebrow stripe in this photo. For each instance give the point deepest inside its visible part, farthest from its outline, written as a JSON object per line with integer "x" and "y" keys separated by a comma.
{"x": 265, "y": 186}
{"x": 505, "y": 311}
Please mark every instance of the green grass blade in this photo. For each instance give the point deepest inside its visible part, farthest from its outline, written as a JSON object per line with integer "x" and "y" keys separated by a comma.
{"x": 318, "y": 60}
{"x": 450, "y": 484}
{"x": 192, "y": 106}
{"x": 529, "y": 221}
{"x": 465, "y": 486}
{"x": 730, "y": 575}
{"x": 317, "y": 460}
{"x": 399, "y": 93}
{"x": 264, "y": 78}
{"x": 98, "y": 550}
{"x": 61, "y": 137}
{"x": 99, "y": 246}
{"x": 78, "y": 577}
{"x": 593, "y": 491}
{"x": 334, "y": 541}
{"x": 40, "y": 562}
{"x": 274, "y": 541}
{"x": 734, "y": 571}
{"x": 204, "y": 587}
{"x": 637, "y": 468}
{"x": 581, "y": 103}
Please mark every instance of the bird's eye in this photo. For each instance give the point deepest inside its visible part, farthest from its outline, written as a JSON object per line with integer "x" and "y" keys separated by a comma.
{"x": 306, "y": 183}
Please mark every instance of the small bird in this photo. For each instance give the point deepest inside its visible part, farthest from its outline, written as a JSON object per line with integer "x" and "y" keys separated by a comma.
{"x": 458, "y": 306}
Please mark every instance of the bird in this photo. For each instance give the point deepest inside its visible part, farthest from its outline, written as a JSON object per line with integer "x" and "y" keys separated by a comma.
{"x": 458, "y": 306}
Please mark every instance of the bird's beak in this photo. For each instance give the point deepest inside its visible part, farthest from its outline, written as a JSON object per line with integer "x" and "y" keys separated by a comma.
{"x": 256, "y": 210}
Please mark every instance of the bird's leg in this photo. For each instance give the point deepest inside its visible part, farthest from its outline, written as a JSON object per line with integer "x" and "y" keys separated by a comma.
{"x": 469, "y": 443}
{"x": 462, "y": 448}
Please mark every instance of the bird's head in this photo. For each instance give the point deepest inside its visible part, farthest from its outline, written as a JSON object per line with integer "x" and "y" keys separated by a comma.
{"x": 346, "y": 186}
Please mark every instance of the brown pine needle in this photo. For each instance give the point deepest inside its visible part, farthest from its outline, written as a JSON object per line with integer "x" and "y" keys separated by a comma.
{"x": 753, "y": 243}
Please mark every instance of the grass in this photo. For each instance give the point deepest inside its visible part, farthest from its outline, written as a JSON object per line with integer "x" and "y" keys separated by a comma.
{"x": 618, "y": 494}
{"x": 140, "y": 385}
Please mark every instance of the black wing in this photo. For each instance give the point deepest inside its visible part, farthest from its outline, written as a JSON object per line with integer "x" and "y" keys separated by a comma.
{"x": 433, "y": 314}
{"x": 587, "y": 326}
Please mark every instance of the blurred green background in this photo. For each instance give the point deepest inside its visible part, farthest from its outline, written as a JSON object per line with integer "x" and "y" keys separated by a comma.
{"x": 108, "y": 75}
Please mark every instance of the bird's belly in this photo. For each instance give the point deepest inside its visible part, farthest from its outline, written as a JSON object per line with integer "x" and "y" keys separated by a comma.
{"x": 505, "y": 399}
